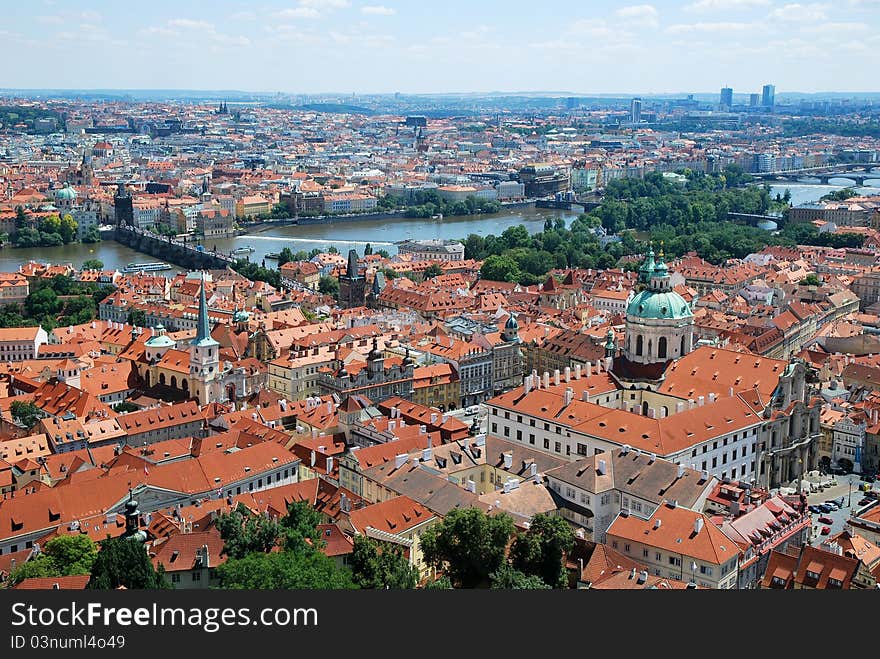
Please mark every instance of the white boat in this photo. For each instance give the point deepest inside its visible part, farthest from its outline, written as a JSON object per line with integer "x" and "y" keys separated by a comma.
{"x": 146, "y": 267}
{"x": 243, "y": 250}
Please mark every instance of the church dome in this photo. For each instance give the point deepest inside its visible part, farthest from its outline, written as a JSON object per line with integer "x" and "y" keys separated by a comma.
{"x": 511, "y": 323}
{"x": 161, "y": 340}
{"x": 240, "y": 317}
{"x": 659, "y": 305}
{"x": 65, "y": 194}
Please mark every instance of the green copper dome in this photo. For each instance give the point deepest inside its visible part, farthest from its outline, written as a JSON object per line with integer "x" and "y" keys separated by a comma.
{"x": 659, "y": 304}
{"x": 66, "y": 194}
{"x": 161, "y": 340}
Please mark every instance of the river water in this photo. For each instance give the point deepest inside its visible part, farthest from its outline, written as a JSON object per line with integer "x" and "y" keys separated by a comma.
{"x": 381, "y": 234}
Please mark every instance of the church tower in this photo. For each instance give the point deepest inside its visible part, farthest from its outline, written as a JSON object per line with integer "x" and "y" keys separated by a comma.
{"x": 511, "y": 330}
{"x": 659, "y": 321}
{"x": 204, "y": 356}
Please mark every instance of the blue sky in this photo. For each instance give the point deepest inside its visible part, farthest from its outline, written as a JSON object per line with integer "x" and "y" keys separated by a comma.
{"x": 314, "y": 46}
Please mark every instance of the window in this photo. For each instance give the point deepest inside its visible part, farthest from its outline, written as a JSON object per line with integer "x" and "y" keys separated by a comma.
{"x": 558, "y": 447}
{"x": 614, "y": 544}
{"x": 657, "y": 556}
{"x": 547, "y": 444}
{"x": 531, "y": 439}
{"x": 507, "y": 431}
{"x": 733, "y": 455}
{"x": 674, "y": 560}
{"x": 606, "y": 499}
{"x": 705, "y": 569}
{"x": 519, "y": 418}
{"x": 714, "y": 462}
{"x": 507, "y": 415}
{"x": 582, "y": 449}
{"x": 694, "y": 453}
{"x": 724, "y": 458}
{"x": 532, "y": 423}
{"x": 494, "y": 427}
{"x": 585, "y": 499}
{"x": 645, "y": 553}
{"x": 714, "y": 445}
{"x": 626, "y": 548}
{"x": 175, "y": 578}
{"x": 519, "y": 435}
{"x": 197, "y": 575}
{"x": 547, "y": 426}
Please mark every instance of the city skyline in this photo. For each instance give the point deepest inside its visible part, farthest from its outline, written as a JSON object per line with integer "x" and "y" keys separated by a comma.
{"x": 311, "y": 46}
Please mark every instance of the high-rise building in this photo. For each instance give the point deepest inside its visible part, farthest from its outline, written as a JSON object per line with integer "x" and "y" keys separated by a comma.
{"x": 754, "y": 100}
{"x": 726, "y": 97}
{"x": 635, "y": 110}
{"x": 768, "y": 96}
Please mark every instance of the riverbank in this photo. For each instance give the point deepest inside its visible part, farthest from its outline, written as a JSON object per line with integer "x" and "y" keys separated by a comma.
{"x": 363, "y": 217}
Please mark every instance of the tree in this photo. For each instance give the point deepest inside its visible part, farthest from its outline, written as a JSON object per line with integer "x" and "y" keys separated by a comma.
{"x": 93, "y": 264}
{"x": 27, "y": 413}
{"x": 507, "y": 578}
{"x": 332, "y": 250}
{"x": 299, "y": 527}
{"x": 92, "y": 235}
{"x": 67, "y": 228}
{"x": 284, "y": 570}
{"x": 124, "y": 407}
{"x": 20, "y": 218}
{"x": 137, "y": 318}
{"x": 62, "y": 556}
{"x": 244, "y": 532}
{"x": 540, "y": 551}
{"x": 810, "y": 280}
{"x": 124, "y": 562}
{"x": 384, "y": 253}
{"x": 500, "y": 268}
{"x": 328, "y": 285}
{"x": 469, "y": 543}
{"x": 285, "y": 256}
{"x": 368, "y": 249}
{"x": 433, "y": 270}
{"x": 385, "y": 568}
{"x": 443, "y": 583}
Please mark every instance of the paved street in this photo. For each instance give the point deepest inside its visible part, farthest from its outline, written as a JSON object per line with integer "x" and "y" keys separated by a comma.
{"x": 839, "y": 517}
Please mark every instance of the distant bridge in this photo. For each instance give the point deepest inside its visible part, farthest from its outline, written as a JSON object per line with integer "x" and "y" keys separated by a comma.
{"x": 856, "y": 172}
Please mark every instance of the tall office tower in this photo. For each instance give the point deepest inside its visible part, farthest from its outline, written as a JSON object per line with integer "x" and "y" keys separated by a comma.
{"x": 768, "y": 96}
{"x": 635, "y": 110}
{"x": 726, "y": 97}
{"x": 754, "y": 100}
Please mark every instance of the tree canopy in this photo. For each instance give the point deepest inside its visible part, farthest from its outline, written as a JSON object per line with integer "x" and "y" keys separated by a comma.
{"x": 124, "y": 562}
{"x": 382, "y": 567}
{"x": 468, "y": 545}
{"x": 540, "y": 551}
{"x": 62, "y": 556}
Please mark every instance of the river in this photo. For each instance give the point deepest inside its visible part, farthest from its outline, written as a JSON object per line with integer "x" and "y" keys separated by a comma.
{"x": 381, "y": 234}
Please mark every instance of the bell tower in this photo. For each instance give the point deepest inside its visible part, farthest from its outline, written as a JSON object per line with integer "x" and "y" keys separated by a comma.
{"x": 204, "y": 356}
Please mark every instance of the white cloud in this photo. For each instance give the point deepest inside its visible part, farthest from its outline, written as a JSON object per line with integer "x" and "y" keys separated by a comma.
{"x": 50, "y": 20}
{"x": 298, "y": 12}
{"x": 378, "y": 10}
{"x": 797, "y": 13}
{"x": 90, "y": 16}
{"x": 642, "y": 15}
{"x": 724, "y": 5}
{"x": 835, "y": 28}
{"x": 325, "y": 4}
{"x": 243, "y": 16}
{"x": 189, "y": 24}
{"x": 688, "y": 28}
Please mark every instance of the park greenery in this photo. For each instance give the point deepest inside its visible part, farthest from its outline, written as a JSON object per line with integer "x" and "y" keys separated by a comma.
{"x": 56, "y": 302}
{"x": 427, "y": 203}
{"x": 798, "y": 127}
{"x": 12, "y": 115}
{"x": 50, "y": 231}
{"x": 840, "y": 195}
{"x": 688, "y": 217}
{"x": 26, "y": 413}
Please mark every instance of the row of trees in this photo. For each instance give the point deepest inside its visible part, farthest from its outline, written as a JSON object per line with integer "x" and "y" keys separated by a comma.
{"x": 425, "y": 203}
{"x": 51, "y": 231}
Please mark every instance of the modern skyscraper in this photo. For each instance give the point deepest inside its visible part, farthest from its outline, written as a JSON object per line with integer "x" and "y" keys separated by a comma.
{"x": 754, "y": 100}
{"x": 768, "y": 96}
{"x": 635, "y": 110}
{"x": 726, "y": 97}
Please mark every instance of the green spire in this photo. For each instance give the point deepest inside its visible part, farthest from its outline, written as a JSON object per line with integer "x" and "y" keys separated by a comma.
{"x": 204, "y": 328}
{"x": 647, "y": 269}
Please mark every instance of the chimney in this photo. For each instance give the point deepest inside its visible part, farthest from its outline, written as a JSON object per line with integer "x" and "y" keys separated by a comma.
{"x": 470, "y": 485}
{"x": 700, "y": 401}
{"x": 465, "y": 442}
{"x": 679, "y": 407}
{"x": 329, "y": 465}
{"x": 402, "y": 423}
{"x": 632, "y": 573}
{"x": 577, "y": 371}
{"x": 508, "y": 460}
{"x": 546, "y": 380}
{"x": 588, "y": 369}
{"x": 657, "y": 523}
{"x": 312, "y": 463}
{"x": 569, "y": 395}
{"x": 698, "y": 524}
{"x": 423, "y": 430}
{"x": 344, "y": 503}
{"x": 433, "y": 418}
{"x": 680, "y": 470}
{"x": 643, "y": 576}
{"x": 527, "y": 384}
{"x": 651, "y": 458}
{"x": 329, "y": 407}
{"x": 624, "y": 450}
{"x": 730, "y": 392}
{"x": 392, "y": 424}
{"x": 533, "y": 468}
{"x": 691, "y": 403}
{"x": 704, "y": 476}
{"x": 399, "y": 460}
{"x": 652, "y": 413}
{"x": 601, "y": 467}
{"x": 567, "y": 373}
{"x": 427, "y": 454}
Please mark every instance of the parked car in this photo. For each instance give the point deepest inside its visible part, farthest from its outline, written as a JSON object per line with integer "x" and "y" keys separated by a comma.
{"x": 832, "y": 505}
{"x": 814, "y": 509}
{"x": 865, "y": 501}
{"x": 868, "y": 478}
{"x": 473, "y": 409}
{"x": 839, "y": 501}
{"x": 824, "y": 507}
{"x": 826, "y": 520}
{"x": 825, "y": 530}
